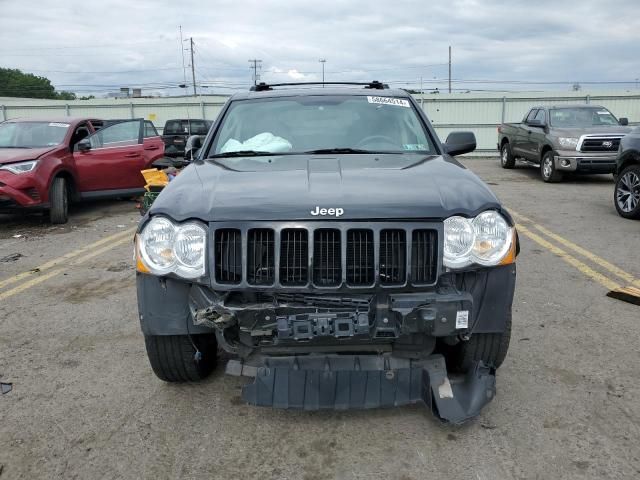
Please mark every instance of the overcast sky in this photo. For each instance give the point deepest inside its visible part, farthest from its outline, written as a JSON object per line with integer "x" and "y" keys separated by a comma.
{"x": 99, "y": 46}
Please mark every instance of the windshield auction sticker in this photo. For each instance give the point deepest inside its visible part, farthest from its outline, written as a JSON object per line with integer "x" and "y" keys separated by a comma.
{"x": 389, "y": 101}
{"x": 56, "y": 124}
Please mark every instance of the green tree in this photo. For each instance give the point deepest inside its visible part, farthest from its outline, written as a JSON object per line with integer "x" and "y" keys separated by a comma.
{"x": 14, "y": 83}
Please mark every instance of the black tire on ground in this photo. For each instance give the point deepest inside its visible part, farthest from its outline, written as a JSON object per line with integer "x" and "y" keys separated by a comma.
{"x": 548, "y": 170}
{"x": 59, "y": 201}
{"x": 491, "y": 348}
{"x": 172, "y": 357}
{"x": 626, "y": 195}
{"x": 507, "y": 159}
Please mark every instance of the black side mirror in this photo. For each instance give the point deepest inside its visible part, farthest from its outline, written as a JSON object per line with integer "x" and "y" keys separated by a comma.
{"x": 84, "y": 145}
{"x": 624, "y": 121}
{"x": 193, "y": 146}
{"x": 459, "y": 143}
{"x": 535, "y": 123}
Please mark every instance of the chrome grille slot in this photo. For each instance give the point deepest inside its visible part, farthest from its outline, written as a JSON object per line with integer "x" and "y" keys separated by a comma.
{"x": 360, "y": 257}
{"x": 424, "y": 253}
{"x": 294, "y": 257}
{"x": 327, "y": 258}
{"x": 260, "y": 257}
{"x": 393, "y": 257}
{"x": 228, "y": 256}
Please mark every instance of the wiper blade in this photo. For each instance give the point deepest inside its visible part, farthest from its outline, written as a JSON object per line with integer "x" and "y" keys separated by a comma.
{"x": 339, "y": 150}
{"x": 242, "y": 153}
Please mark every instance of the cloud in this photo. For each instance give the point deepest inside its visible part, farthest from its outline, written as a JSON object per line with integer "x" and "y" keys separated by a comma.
{"x": 123, "y": 43}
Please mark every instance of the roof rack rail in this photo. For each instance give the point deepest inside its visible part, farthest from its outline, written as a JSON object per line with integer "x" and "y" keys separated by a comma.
{"x": 262, "y": 86}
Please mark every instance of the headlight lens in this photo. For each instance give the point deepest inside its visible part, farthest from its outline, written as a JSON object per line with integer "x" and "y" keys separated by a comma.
{"x": 568, "y": 142}
{"x": 20, "y": 167}
{"x": 168, "y": 248}
{"x": 493, "y": 238}
{"x": 459, "y": 239}
{"x": 484, "y": 240}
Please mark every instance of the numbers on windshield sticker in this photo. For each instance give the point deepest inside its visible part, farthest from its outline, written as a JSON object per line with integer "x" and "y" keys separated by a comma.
{"x": 398, "y": 102}
{"x": 55, "y": 124}
{"x": 415, "y": 146}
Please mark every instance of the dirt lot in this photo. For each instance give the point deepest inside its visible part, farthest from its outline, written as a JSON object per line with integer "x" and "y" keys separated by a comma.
{"x": 85, "y": 403}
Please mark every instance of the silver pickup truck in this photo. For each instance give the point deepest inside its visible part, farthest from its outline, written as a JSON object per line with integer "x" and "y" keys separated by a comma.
{"x": 563, "y": 138}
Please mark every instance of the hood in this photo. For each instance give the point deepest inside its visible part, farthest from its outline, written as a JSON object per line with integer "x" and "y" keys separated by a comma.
{"x": 579, "y": 131}
{"x": 12, "y": 155}
{"x": 291, "y": 187}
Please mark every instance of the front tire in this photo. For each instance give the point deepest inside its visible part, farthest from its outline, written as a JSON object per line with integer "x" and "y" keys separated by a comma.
{"x": 59, "y": 201}
{"x": 491, "y": 348}
{"x": 173, "y": 357}
{"x": 506, "y": 157}
{"x": 548, "y": 170}
{"x": 627, "y": 192}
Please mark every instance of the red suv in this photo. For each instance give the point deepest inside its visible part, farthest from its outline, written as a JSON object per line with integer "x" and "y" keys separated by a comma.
{"x": 45, "y": 163}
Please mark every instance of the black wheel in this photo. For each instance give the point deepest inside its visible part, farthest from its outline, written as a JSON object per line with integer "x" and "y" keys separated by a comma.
{"x": 173, "y": 357}
{"x": 548, "y": 170}
{"x": 491, "y": 348}
{"x": 59, "y": 201}
{"x": 506, "y": 157}
{"x": 627, "y": 192}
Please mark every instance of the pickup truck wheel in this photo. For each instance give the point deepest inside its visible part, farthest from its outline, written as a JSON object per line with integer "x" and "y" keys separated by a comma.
{"x": 59, "y": 201}
{"x": 548, "y": 170}
{"x": 491, "y": 348}
{"x": 627, "y": 192}
{"x": 506, "y": 157}
{"x": 173, "y": 357}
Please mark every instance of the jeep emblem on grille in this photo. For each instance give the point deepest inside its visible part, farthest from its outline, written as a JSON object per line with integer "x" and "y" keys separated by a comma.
{"x": 337, "y": 212}
{"x": 607, "y": 144}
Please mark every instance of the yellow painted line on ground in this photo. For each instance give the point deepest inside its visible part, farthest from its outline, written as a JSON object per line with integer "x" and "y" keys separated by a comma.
{"x": 57, "y": 261}
{"x": 574, "y": 262}
{"x": 617, "y": 271}
{"x": 42, "y": 278}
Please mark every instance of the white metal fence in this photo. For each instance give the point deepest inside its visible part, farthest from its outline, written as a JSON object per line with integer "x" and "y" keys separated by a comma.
{"x": 480, "y": 113}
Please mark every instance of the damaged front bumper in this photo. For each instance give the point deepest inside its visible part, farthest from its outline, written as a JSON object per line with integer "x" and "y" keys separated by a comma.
{"x": 331, "y": 350}
{"x": 343, "y": 382}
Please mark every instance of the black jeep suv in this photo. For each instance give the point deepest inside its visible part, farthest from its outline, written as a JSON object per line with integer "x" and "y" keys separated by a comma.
{"x": 328, "y": 240}
{"x": 627, "y": 190}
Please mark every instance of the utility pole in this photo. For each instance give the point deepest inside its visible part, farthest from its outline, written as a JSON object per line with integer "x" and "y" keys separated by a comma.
{"x": 323, "y": 61}
{"x": 184, "y": 70}
{"x": 193, "y": 68}
{"x": 421, "y": 95}
{"x": 256, "y": 64}
{"x": 449, "y": 68}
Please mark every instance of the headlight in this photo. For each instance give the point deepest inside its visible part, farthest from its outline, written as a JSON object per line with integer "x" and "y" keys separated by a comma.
{"x": 568, "y": 142}
{"x": 168, "y": 248}
{"x": 20, "y": 167}
{"x": 484, "y": 240}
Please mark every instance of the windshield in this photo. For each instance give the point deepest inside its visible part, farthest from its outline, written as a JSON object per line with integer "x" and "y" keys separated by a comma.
{"x": 351, "y": 124}
{"x": 32, "y": 134}
{"x": 581, "y": 117}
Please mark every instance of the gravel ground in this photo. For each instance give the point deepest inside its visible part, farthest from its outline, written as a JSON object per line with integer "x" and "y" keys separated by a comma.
{"x": 85, "y": 403}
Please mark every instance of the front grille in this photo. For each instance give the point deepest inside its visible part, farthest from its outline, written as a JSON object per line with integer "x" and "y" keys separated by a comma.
{"x": 327, "y": 258}
{"x": 389, "y": 255}
{"x": 600, "y": 144}
{"x": 294, "y": 257}
{"x": 260, "y": 257}
{"x": 393, "y": 254}
{"x": 424, "y": 248}
{"x": 228, "y": 254}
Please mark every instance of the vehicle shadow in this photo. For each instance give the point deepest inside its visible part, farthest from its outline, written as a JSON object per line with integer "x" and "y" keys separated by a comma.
{"x": 32, "y": 224}
{"x": 533, "y": 173}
